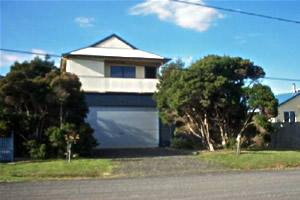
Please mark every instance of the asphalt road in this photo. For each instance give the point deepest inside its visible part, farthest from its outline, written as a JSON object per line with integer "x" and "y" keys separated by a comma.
{"x": 234, "y": 185}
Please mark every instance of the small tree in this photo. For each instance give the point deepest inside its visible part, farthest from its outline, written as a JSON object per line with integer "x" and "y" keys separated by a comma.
{"x": 62, "y": 138}
{"x": 262, "y": 104}
{"x": 71, "y": 138}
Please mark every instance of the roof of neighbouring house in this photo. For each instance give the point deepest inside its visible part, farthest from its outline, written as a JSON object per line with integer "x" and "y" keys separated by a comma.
{"x": 285, "y": 97}
{"x": 115, "y": 46}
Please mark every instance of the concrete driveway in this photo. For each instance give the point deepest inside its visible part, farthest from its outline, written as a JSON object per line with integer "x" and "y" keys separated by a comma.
{"x": 275, "y": 185}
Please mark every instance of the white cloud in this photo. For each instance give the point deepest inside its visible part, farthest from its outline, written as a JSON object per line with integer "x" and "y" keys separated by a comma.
{"x": 184, "y": 15}
{"x": 84, "y": 21}
{"x": 8, "y": 58}
{"x": 38, "y": 51}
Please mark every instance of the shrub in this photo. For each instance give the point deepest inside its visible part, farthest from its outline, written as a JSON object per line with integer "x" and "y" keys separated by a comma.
{"x": 186, "y": 142}
{"x": 57, "y": 139}
{"x": 36, "y": 150}
{"x": 231, "y": 143}
{"x": 181, "y": 143}
{"x": 87, "y": 142}
{"x": 3, "y": 129}
{"x": 261, "y": 141}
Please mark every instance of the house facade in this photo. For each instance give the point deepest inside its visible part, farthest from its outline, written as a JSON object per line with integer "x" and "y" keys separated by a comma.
{"x": 119, "y": 81}
{"x": 286, "y": 134}
{"x": 289, "y": 107}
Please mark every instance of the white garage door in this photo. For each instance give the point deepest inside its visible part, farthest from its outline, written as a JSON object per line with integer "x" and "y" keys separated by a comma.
{"x": 125, "y": 127}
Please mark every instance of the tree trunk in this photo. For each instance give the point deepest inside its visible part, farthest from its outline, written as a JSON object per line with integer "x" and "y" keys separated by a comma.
{"x": 238, "y": 138}
{"x": 203, "y": 126}
{"x": 61, "y": 115}
{"x": 238, "y": 144}
{"x": 69, "y": 146}
{"x": 193, "y": 131}
{"x": 223, "y": 136}
{"x": 207, "y": 134}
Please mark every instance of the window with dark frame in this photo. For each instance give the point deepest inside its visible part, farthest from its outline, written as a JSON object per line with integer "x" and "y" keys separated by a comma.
{"x": 289, "y": 116}
{"x": 286, "y": 116}
{"x": 122, "y": 72}
{"x": 292, "y": 117}
{"x": 150, "y": 72}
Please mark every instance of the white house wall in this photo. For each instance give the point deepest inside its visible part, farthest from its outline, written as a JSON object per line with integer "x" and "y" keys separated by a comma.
{"x": 140, "y": 71}
{"x": 83, "y": 67}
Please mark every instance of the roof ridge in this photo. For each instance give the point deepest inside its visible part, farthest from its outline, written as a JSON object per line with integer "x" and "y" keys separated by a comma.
{"x": 111, "y": 36}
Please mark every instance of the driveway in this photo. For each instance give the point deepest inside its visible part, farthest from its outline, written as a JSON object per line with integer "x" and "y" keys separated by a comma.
{"x": 158, "y": 162}
{"x": 164, "y": 166}
{"x": 275, "y": 185}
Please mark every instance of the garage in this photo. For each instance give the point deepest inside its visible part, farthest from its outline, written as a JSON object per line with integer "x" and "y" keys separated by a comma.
{"x": 124, "y": 127}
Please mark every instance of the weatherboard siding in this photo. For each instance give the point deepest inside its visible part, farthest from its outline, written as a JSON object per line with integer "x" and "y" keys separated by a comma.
{"x": 291, "y": 105}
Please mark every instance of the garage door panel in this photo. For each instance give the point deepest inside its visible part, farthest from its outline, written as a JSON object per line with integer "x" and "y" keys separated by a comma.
{"x": 125, "y": 127}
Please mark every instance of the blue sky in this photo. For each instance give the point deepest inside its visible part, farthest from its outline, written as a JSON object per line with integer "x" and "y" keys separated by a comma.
{"x": 168, "y": 29}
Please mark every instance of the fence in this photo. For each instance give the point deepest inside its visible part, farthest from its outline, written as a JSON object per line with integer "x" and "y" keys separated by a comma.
{"x": 7, "y": 148}
{"x": 286, "y": 136}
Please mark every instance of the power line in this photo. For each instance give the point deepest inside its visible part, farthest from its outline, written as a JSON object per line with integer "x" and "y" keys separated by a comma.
{"x": 54, "y": 55}
{"x": 282, "y": 79}
{"x": 239, "y": 11}
{"x": 29, "y": 52}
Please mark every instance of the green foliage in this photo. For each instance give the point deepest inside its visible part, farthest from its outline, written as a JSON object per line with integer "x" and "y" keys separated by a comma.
{"x": 87, "y": 142}
{"x": 36, "y": 150}
{"x": 186, "y": 143}
{"x": 210, "y": 97}
{"x": 35, "y": 96}
{"x": 3, "y": 128}
{"x": 231, "y": 144}
{"x": 261, "y": 97}
{"x": 84, "y": 142}
{"x": 59, "y": 137}
{"x": 262, "y": 124}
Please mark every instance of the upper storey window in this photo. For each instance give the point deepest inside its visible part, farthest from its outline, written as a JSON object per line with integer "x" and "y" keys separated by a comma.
{"x": 150, "y": 72}
{"x": 122, "y": 72}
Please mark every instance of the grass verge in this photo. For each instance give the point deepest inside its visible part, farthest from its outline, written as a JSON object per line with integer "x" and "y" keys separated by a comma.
{"x": 249, "y": 160}
{"x": 56, "y": 169}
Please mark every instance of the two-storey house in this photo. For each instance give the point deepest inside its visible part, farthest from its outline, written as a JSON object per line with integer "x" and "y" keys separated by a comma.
{"x": 119, "y": 81}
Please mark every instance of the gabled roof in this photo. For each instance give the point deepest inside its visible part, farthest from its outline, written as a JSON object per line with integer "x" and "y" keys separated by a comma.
{"x": 110, "y": 37}
{"x": 285, "y": 97}
{"x": 115, "y": 47}
{"x": 119, "y": 53}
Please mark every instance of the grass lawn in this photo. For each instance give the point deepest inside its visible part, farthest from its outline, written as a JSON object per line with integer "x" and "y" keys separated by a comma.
{"x": 254, "y": 159}
{"x": 54, "y": 169}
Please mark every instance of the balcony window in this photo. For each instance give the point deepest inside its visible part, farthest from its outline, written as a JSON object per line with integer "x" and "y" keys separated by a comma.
{"x": 150, "y": 72}
{"x": 122, "y": 72}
